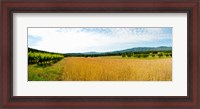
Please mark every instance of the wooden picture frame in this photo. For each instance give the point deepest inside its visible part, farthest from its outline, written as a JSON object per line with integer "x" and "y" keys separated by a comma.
{"x": 191, "y": 101}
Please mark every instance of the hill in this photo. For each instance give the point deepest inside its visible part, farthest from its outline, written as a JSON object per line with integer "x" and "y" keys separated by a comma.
{"x": 119, "y": 52}
{"x": 146, "y": 49}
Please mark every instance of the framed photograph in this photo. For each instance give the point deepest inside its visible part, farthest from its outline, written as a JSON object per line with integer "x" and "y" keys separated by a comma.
{"x": 100, "y": 54}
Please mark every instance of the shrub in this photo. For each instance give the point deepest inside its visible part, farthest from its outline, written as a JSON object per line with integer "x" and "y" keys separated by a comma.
{"x": 123, "y": 55}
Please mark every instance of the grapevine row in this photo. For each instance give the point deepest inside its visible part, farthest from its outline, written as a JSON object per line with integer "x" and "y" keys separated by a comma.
{"x": 43, "y": 59}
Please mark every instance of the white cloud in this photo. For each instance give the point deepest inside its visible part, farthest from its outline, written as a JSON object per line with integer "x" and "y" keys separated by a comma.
{"x": 65, "y": 40}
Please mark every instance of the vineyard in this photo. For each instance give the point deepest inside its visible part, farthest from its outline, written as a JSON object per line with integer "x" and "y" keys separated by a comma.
{"x": 43, "y": 59}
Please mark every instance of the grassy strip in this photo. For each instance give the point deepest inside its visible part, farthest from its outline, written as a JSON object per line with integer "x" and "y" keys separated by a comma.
{"x": 49, "y": 73}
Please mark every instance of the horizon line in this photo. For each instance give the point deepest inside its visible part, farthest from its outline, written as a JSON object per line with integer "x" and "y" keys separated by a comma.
{"x": 102, "y": 52}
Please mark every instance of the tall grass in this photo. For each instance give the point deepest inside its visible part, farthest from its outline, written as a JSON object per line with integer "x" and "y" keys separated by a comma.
{"x": 113, "y": 69}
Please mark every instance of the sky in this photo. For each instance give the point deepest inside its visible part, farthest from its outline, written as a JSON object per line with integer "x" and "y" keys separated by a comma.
{"x": 79, "y": 40}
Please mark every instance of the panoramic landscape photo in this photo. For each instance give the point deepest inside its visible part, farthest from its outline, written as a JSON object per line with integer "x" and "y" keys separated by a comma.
{"x": 100, "y": 54}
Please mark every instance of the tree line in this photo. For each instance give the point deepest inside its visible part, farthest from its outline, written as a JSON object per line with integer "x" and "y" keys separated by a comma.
{"x": 125, "y": 54}
{"x": 145, "y": 55}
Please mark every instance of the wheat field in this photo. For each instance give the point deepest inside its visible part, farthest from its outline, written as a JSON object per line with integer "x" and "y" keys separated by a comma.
{"x": 116, "y": 69}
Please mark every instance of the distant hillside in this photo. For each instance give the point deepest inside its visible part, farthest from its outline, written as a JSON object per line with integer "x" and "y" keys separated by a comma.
{"x": 119, "y": 52}
{"x": 146, "y": 49}
{"x": 92, "y": 52}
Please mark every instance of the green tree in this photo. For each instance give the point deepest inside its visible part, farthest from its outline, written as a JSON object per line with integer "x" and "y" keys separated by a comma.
{"x": 145, "y": 55}
{"x": 160, "y": 54}
{"x": 123, "y": 55}
{"x": 129, "y": 54}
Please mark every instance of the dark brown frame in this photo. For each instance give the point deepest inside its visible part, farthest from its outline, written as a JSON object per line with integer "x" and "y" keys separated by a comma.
{"x": 192, "y": 101}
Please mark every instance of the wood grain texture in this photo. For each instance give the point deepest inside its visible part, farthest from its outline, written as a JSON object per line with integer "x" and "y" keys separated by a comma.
{"x": 101, "y": 6}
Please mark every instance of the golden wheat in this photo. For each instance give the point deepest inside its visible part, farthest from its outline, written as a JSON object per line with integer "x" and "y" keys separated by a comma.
{"x": 116, "y": 69}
